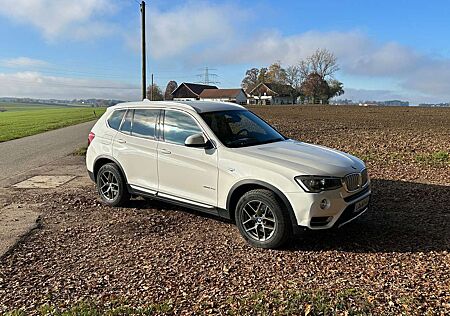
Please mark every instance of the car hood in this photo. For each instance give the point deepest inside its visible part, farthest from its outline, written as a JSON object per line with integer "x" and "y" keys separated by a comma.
{"x": 304, "y": 158}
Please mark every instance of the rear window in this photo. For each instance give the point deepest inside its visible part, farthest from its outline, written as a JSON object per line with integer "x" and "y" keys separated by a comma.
{"x": 144, "y": 123}
{"x": 115, "y": 119}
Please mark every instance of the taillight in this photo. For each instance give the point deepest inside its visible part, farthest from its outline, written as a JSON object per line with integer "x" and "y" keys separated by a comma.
{"x": 90, "y": 138}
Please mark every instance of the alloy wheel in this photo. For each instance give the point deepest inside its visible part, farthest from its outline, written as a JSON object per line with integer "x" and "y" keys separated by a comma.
{"x": 258, "y": 220}
{"x": 109, "y": 185}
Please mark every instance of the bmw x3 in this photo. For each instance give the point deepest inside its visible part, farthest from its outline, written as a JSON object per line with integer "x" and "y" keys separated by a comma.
{"x": 222, "y": 159}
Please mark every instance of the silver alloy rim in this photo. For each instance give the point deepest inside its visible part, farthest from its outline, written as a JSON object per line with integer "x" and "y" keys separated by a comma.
{"x": 258, "y": 220}
{"x": 109, "y": 185}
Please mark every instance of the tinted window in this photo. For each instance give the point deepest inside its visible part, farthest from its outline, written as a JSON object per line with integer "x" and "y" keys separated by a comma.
{"x": 126, "y": 125}
{"x": 240, "y": 128}
{"x": 144, "y": 123}
{"x": 115, "y": 119}
{"x": 179, "y": 126}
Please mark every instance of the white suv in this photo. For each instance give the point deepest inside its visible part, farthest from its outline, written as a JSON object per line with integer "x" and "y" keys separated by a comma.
{"x": 222, "y": 159}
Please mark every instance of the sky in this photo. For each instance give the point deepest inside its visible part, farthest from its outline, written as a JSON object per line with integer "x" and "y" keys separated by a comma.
{"x": 91, "y": 48}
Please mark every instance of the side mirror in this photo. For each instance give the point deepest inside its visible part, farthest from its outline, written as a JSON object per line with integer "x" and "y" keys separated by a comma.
{"x": 197, "y": 140}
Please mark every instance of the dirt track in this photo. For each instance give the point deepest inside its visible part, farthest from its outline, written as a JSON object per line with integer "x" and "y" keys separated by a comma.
{"x": 395, "y": 259}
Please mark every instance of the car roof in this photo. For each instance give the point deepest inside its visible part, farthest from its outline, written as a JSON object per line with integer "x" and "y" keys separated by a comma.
{"x": 198, "y": 106}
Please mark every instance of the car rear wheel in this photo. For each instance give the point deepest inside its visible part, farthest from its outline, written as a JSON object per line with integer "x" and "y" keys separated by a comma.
{"x": 111, "y": 185}
{"x": 262, "y": 219}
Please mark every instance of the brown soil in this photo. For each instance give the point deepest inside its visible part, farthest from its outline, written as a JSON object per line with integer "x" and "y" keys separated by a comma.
{"x": 393, "y": 260}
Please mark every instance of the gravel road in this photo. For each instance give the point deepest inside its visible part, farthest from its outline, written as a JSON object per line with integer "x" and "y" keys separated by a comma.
{"x": 20, "y": 155}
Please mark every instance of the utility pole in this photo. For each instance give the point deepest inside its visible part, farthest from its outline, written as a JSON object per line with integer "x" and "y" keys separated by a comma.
{"x": 206, "y": 75}
{"x": 144, "y": 66}
{"x": 151, "y": 90}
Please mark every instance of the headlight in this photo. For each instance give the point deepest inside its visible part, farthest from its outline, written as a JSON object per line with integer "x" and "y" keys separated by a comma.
{"x": 315, "y": 184}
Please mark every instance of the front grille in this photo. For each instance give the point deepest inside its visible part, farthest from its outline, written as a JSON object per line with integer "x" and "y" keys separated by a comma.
{"x": 352, "y": 181}
{"x": 356, "y": 181}
{"x": 364, "y": 177}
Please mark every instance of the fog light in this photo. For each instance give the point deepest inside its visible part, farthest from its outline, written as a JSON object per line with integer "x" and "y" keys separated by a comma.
{"x": 324, "y": 204}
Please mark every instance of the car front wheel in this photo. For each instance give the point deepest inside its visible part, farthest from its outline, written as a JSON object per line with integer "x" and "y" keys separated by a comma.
{"x": 262, "y": 219}
{"x": 111, "y": 185}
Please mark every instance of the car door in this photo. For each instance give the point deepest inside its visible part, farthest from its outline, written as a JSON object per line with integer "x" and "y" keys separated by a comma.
{"x": 185, "y": 173}
{"x": 135, "y": 148}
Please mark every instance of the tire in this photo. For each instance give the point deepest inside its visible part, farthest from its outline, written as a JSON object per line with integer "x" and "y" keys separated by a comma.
{"x": 262, "y": 219}
{"x": 112, "y": 186}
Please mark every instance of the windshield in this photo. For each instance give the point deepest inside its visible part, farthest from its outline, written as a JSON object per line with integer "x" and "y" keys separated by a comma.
{"x": 240, "y": 128}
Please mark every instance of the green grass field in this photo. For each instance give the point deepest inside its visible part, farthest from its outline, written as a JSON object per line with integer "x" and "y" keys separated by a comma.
{"x": 20, "y": 120}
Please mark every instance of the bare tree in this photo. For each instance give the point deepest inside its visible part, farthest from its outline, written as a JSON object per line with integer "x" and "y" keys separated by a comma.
{"x": 305, "y": 68}
{"x": 154, "y": 93}
{"x": 294, "y": 76}
{"x": 324, "y": 63}
{"x": 171, "y": 86}
{"x": 294, "y": 79}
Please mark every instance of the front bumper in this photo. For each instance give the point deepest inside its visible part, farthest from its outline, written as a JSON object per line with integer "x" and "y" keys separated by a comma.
{"x": 341, "y": 208}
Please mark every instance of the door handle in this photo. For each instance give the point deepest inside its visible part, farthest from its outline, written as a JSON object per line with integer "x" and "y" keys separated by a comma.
{"x": 121, "y": 141}
{"x": 165, "y": 151}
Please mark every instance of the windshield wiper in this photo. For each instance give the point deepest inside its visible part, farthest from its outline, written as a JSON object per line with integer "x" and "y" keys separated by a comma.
{"x": 270, "y": 141}
{"x": 240, "y": 142}
{"x": 244, "y": 142}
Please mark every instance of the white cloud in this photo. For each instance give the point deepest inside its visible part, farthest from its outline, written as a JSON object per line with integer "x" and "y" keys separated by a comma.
{"x": 22, "y": 62}
{"x": 176, "y": 31}
{"x": 55, "y": 18}
{"x": 37, "y": 85}
{"x": 189, "y": 29}
{"x": 419, "y": 76}
{"x": 356, "y": 52}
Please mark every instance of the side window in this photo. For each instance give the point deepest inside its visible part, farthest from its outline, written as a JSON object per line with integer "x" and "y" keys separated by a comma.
{"x": 115, "y": 119}
{"x": 126, "y": 125}
{"x": 178, "y": 126}
{"x": 144, "y": 123}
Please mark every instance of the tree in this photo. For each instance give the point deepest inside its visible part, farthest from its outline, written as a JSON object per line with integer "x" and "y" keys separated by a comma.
{"x": 312, "y": 78}
{"x": 318, "y": 72}
{"x": 294, "y": 77}
{"x": 171, "y": 86}
{"x": 305, "y": 68}
{"x": 315, "y": 88}
{"x": 336, "y": 88}
{"x": 250, "y": 80}
{"x": 262, "y": 75}
{"x": 154, "y": 93}
{"x": 322, "y": 62}
{"x": 276, "y": 74}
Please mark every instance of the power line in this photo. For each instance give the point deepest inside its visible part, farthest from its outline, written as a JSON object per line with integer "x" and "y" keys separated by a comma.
{"x": 59, "y": 84}
{"x": 76, "y": 74}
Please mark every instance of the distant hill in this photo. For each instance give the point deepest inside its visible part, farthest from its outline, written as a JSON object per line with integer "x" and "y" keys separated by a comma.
{"x": 57, "y": 102}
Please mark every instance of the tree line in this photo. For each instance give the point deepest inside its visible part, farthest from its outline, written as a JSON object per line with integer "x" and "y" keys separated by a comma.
{"x": 312, "y": 79}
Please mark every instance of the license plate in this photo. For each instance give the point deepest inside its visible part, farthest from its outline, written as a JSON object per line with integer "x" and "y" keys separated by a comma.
{"x": 361, "y": 205}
